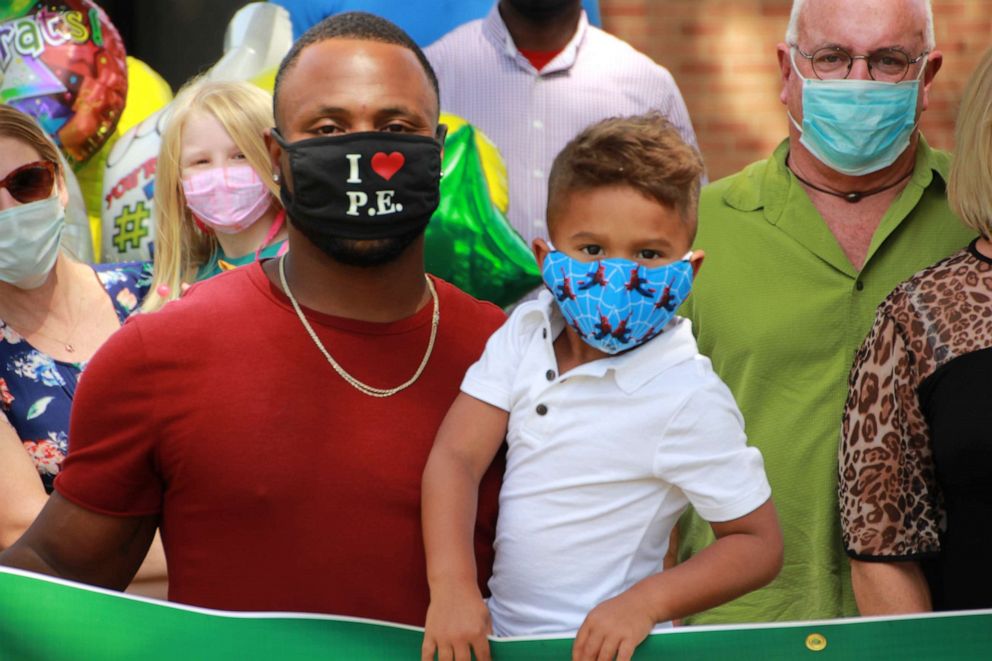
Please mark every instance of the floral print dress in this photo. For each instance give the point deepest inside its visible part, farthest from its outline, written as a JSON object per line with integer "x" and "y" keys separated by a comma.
{"x": 36, "y": 390}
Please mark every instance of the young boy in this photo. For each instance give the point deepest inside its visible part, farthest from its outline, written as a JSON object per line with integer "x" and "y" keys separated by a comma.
{"x": 614, "y": 424}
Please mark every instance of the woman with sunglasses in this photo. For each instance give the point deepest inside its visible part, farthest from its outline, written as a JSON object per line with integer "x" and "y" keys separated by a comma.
{"x": 216, "y": 203}
{"x": 55, "y": 313}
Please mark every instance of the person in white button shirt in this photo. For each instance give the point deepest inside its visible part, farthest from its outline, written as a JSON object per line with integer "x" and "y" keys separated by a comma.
{"x": 614, "y": 424}
{"x": 531, "y": 75}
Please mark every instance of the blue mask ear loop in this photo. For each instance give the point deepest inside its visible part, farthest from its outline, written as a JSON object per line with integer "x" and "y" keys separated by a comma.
{"x": 792, "y": 59}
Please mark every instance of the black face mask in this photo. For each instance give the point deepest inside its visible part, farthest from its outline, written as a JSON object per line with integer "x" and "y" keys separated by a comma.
{"x": 542, "y": 11}
{"x": 361, "y": 186}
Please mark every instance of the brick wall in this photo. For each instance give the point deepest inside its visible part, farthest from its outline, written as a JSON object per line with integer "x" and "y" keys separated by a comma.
{"x": 722, "y": 54}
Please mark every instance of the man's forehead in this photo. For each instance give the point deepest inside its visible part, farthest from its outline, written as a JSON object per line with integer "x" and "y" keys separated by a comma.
{"x": 336, "y": 68}
{"x": 857, "y": 24}
{"x": 341, "y": 57}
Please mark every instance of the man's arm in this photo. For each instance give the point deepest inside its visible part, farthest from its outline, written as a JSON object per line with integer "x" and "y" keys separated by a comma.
{"x": 74, "y": 543}
{"x": 889, "y": 588}
{"x": 747, "y": 554}
{"x": 468, "y": 439}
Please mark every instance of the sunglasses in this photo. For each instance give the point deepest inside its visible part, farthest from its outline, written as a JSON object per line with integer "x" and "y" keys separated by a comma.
{"x": 30, "y": 182}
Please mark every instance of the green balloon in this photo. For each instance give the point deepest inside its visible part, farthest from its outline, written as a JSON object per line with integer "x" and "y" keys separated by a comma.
{"x": 469, "y": 241}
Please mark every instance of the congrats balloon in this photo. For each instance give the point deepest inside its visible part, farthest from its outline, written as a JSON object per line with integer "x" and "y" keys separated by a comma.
{"x": 62, "y": 62}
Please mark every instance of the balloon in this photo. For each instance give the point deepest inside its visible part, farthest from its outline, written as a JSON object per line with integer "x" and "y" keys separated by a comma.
{"x": 128, "y": 187}
{"x": 62, "y": 62}
{"x": 257, "y": 38}
{"x": 469, "y": 241}
{"x": 147, "y": 92}
{"x": 492, "y": 163}
{"x": 76, "y": 237}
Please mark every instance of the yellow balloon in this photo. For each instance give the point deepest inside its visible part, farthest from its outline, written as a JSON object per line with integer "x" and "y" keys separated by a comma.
{"x": 266, "y": 80}
{"x": 493, "y": 165}
{"x": 147, "y": 92}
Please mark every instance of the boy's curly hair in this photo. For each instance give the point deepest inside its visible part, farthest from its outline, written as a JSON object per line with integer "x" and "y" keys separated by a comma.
{"x": 645, "y": 152}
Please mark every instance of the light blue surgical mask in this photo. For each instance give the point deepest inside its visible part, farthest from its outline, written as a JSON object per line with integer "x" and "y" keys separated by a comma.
{"x": 29, "y": 241}
{"x": 857, "y": 127}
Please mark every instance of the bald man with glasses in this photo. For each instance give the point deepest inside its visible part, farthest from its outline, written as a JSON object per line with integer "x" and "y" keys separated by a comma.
{"x": 801, "y": 248}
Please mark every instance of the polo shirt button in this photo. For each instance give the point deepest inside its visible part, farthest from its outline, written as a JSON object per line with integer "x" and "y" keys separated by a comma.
{"x": 550, "y": 374}
{"x": 542, "y": 409}
{"x": 859, "y": 285}
{"x": 544, "y": 333}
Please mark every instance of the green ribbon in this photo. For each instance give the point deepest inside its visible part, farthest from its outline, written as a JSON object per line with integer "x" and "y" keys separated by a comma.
{"x": 469, "y": 241}
{"x": 43, "y": 619}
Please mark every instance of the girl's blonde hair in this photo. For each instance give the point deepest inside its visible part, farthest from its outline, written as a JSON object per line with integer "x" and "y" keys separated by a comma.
{"x": 969, "y": 189}
{"x": 245, "y": 112}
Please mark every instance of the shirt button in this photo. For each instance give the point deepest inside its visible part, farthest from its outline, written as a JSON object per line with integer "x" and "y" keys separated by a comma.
{"x": 550, "y": 374}
{"x": 538, "y": 124}
{"x": 859, "y": 285}
{"x": 539, "y": 223}
{"x": 544, "y": 333}
{"x": 538, "y": 174}
{"x": 541, "y": 409}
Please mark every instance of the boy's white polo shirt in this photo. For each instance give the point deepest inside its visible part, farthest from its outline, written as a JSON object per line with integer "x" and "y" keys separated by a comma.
{"x": 601, "y": 462}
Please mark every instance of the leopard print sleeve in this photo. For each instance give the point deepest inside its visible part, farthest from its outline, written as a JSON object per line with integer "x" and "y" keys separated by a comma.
{"x": 887, "y": 490}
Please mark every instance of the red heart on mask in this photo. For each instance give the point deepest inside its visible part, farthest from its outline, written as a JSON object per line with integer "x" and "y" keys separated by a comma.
{"x": 386, "y": 165}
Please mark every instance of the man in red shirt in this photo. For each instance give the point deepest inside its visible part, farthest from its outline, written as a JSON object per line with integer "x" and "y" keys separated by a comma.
{"x": 275, "y": 421}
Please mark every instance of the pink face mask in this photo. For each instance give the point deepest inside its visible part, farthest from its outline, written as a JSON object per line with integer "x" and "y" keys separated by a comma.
{"x": 228, "y": 200}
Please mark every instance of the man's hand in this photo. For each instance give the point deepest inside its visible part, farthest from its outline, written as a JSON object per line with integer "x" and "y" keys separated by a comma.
{"x": 457, "y": 625}
{"x": 613, "y": 630}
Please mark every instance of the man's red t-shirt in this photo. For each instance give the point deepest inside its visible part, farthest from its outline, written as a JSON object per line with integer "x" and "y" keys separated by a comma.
{"x": 280, "y": 486}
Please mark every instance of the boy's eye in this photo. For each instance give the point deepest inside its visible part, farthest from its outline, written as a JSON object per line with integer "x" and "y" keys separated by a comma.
{"x": 592, "y": 250}
{"x": 649, "y": 254}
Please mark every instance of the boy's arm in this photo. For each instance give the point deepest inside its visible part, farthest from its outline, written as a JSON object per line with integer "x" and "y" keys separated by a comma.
{"x": 747, "y": 554}
{"x": 468, "y": 439}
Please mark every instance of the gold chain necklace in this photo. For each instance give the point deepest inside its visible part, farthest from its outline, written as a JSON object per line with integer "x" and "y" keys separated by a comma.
{"x": 358, "y": 385}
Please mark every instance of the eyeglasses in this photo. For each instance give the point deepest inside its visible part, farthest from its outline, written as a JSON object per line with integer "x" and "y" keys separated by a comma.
{"x": 833, "y": 63}
{"x": 30, "y": 182}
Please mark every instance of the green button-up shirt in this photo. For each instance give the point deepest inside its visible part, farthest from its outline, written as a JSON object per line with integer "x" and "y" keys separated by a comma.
{"x": 781, "y": 311}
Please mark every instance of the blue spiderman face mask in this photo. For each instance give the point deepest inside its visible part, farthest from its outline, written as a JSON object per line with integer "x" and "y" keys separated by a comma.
{"x": 616, "y": 304}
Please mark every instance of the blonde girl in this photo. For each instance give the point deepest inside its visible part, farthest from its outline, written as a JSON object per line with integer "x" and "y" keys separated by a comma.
{"x": 216, "y": 204}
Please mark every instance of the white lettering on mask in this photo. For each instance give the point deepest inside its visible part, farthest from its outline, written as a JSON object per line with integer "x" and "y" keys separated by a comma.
{"x": 353, "y": 177}
{"x": 356, "y": 199}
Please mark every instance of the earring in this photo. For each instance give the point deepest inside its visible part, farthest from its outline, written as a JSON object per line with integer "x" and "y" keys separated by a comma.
{"x": 275, "y": 177}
